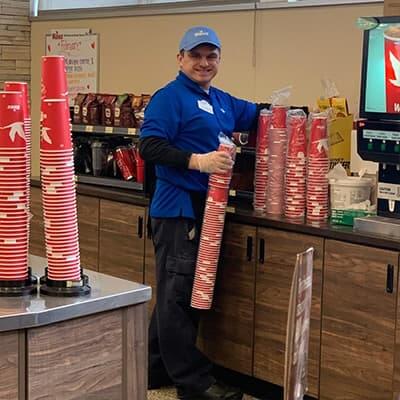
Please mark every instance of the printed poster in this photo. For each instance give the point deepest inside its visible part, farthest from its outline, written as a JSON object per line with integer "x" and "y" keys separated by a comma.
{"x": 80, "y": 49}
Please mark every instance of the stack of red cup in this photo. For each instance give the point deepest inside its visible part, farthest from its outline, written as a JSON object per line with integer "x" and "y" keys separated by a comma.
{"x": 57, "y": 175}
{"x": 24, "y": 89}
{"x": 296, "y": 165}
{"x": 318, "y": 167}
{"x": 14, "y": 231}
{"x": 278, "y": 120}
{"x": 140, "y": 167}
{"x": 261, "y": 164}
{"x": 277, "y": 142}
{"x": 211, "y": 235}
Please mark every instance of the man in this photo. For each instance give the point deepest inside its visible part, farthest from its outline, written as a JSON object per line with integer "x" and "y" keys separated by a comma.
{"x": 180, "y": 135}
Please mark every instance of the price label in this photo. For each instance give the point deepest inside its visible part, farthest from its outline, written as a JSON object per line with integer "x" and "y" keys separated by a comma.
{"x": 238, "y": 150}
{"x": 230, "y": 210}
{"x": 108, "y": 129}
{"x": 232, "y": 193}
{"x": 132, "y": 131}
{"x": 89, "y": 128}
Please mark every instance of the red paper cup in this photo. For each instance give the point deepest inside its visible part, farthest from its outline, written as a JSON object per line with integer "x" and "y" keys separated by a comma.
{"x": 24, "y": 89}
{"x": 56, "y": 129}
{"x": 278, "y": 116}
{"x": 54, "y": 78}
{"x": 12, "y": 134}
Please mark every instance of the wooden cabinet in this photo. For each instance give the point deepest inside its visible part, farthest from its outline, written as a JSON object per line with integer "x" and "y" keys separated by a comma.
{"x": 36, "y": 240}
{"x": 226, "y": 333}
{"x": 11, "y": 387}
{"x": 88, "y": 220}
{"x": 277, "y": 252}
{"x": 358, "y": 325}
{"x": 121, "y": 246}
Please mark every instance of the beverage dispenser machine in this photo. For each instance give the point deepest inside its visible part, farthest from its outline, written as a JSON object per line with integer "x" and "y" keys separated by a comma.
{"x": 378, "y": 132}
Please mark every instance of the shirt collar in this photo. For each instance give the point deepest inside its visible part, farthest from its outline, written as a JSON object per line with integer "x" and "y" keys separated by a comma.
{"x": 185, "y": 80}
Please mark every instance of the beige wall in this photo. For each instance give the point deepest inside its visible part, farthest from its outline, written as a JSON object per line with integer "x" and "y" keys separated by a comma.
{"x": 262, "y": 51}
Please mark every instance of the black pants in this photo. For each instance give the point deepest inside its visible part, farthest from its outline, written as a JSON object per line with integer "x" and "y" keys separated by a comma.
{"x": 174, "y": 324}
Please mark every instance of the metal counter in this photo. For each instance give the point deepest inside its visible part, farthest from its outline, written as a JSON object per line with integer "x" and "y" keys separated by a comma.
{"x": 108, "y": 293}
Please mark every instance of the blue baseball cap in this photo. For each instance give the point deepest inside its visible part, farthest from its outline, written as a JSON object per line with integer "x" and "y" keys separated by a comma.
{"x": 199, "y": 35}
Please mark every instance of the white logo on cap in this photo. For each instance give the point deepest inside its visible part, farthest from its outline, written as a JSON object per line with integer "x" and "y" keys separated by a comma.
{"x": 201, "y": 33}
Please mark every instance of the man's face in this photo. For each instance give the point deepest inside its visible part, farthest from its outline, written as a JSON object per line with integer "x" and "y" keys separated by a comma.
{"x": 200, "y": 64}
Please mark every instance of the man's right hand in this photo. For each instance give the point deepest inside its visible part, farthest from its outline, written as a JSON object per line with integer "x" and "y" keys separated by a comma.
{"x": 213, "y": 162}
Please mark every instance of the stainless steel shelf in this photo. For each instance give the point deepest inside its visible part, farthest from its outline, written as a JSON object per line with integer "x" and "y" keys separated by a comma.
{"x": 105, "y": 130}
{"x": 111, "y": 182}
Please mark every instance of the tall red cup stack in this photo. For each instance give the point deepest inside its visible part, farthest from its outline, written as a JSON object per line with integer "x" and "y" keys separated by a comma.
{"x": 14, "y": 231}
{"x": 261, "y": 163}
{"x": 278, "y": 120}
{"x": 277, "y": 141}
{"x": 24, "y": 89}
{"x": 211, "y": 235}
{"x": 318, "y": 167}
{"x": 296, "y": 164}
{"x": 63, "y": 274}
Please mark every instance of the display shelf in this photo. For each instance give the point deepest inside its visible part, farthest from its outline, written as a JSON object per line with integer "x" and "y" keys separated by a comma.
{"x": 112, "y": 182}
{"x": 105, "y": 130}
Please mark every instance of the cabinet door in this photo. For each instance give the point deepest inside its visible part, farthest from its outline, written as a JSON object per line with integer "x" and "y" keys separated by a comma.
{"x": 150, "y": 268}
{"x": 121, "y": 251}
{"x": 37, "y": 245}
{"x": 11, "y": 356}
{"x": 358, "y": 323}
{"x": 226, "y": 332}
{"x": 88, "y": 220}
{"x": 273, "y": 282}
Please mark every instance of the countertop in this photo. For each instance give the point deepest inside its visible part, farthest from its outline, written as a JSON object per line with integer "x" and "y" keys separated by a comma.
{"x": 241, "y": 214}
{"x": 108, "y": 293}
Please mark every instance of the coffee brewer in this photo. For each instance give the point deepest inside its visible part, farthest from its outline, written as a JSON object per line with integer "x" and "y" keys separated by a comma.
{"x": 379, "y": 141}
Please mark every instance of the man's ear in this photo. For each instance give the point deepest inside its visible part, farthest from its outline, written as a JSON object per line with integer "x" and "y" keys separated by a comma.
{"x": 179, "y": 58}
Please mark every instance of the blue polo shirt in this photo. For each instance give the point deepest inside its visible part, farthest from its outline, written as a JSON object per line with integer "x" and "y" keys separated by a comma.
{"x": 190, "y": 119}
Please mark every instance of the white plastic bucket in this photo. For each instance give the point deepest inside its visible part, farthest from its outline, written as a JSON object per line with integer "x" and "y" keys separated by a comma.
{"x": 349, "y": 191}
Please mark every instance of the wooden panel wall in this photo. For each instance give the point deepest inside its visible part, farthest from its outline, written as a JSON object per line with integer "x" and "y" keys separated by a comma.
{"x": 15, "y": 46}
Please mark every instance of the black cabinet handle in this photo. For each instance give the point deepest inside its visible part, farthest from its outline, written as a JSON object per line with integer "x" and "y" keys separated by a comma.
{"x": 389, "y": 278}
{"x": 140, "y": 227}
{"x": 261, "y": 251}
{"x": 249, "y": 249}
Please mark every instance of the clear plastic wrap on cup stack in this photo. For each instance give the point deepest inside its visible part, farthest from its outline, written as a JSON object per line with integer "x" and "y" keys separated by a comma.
{"x": 15, "y": 277}
{"x": 211, "y": 233}
{"x": 296, "y": 164}
{"x": 317, "y": 169}
{"x": 277, "y": 142}
{"x": 261, "y": 163}
{"x": 63, "y": 275}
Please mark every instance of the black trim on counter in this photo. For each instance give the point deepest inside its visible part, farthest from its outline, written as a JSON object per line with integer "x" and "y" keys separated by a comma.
{"x": 107, "y": 193}
{"x": 250, "y": 217}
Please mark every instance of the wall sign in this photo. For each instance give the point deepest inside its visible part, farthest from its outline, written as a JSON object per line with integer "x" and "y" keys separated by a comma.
{"x": 80, "y": 49}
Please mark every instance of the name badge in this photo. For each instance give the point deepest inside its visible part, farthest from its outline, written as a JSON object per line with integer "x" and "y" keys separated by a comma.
{"x": 205, "y": 106}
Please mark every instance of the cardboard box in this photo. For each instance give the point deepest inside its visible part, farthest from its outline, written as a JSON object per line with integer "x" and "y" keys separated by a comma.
{"x": 391, "y": 8}
{"x": 340, "y": 142}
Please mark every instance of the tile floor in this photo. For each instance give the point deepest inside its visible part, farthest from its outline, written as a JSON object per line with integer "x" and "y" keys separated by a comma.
{"x": 170, "y": 394}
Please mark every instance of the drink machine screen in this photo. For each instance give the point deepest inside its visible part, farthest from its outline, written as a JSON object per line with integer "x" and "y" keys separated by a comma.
{"x": 380, "y": 81}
